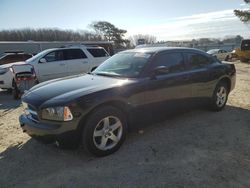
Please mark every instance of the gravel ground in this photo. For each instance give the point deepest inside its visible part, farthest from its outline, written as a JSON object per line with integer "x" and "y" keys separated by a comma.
{"x": 198, "y": 148}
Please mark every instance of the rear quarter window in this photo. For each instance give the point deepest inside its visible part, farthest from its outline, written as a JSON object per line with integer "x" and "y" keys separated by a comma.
{"x": 98, "y": 52}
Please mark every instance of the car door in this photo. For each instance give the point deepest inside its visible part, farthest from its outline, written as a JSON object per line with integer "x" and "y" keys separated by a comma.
{"x": 200, "y": 69}
{"x": 77, "y": 61}
{"x": 55, "y": 66}
{"x": 171, "y": 85}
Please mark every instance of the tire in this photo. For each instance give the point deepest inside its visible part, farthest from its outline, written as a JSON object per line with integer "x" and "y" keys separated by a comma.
{"x": 105, "y": 131}
{"x": 16, "y": 93}
{"x": 220, "y": 96}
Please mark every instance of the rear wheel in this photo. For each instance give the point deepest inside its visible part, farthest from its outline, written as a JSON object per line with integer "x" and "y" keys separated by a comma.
{"x": 105, "y": 131}
{"x": 220, "y": 96}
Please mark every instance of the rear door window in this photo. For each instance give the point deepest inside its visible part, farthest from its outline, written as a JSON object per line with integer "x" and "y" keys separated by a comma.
{"x": 98, "y": 52}
{"x": 74, "y": 54}
{"x": 197, "y": 60}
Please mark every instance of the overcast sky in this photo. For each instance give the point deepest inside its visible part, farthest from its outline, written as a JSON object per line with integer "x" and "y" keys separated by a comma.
{"x": 167, "y": 20}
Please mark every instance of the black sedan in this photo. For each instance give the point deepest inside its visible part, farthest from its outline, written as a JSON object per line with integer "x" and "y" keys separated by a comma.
{"x": 94, "y": 109}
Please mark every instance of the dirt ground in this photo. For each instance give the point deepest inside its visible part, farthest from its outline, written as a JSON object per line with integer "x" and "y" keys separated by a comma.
{"x": 198, "y": 148}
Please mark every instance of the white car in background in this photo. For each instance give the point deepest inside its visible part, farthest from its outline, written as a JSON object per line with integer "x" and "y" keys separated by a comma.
{"x": 58, "y": 62}
{"x": 222, "y": 55}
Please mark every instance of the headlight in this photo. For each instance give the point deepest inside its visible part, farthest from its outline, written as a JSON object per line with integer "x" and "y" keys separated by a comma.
{"x": 3, "y": 71}
{"x": 61, "y": 113}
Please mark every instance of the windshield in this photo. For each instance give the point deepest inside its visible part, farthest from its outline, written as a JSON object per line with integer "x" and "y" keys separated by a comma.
{"x": 213, "y": 51}
{"x": 125, "y": 64}
{"x": 39, "y": 55}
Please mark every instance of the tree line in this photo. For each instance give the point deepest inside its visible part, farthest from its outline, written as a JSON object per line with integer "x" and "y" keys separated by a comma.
{"x": 47, "y": 35}
{"x": 101, "y": 31}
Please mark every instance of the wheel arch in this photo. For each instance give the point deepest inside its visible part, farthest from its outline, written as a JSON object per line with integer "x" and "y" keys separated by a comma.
{"x": 121, "y": 105}
{"x": 227, "y": 81}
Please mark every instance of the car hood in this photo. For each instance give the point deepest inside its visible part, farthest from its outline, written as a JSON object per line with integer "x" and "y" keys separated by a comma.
{"x": 67, "y": 89}
{"x": 10, "y": 64}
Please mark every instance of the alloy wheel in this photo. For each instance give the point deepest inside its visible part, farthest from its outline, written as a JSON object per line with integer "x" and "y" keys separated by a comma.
{"x": 221, "y": 96}
{"x": 107, "y": 133}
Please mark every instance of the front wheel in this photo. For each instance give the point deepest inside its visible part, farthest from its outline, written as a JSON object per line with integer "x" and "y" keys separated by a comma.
{"x": 105, "y": 131}
{"x": 220, "y": 96}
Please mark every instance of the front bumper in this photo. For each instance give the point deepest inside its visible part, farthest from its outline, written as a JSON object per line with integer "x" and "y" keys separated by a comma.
{"x": 56, "y": 129}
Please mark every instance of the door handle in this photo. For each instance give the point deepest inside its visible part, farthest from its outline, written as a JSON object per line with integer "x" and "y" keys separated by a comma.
{"x": 62, "y": 64}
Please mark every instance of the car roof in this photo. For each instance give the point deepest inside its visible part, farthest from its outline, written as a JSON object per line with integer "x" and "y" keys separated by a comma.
{"x": 163, "y": 49}
{"x": 80, "y": 46}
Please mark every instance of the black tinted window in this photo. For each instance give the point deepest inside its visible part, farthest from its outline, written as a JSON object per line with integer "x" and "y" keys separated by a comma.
{"x": 11, "y": 58}
{"x": 55, "y": 56}
{"x": 245, "y": 45}
{"x": 26, "y": 56}
{"x": 197, "y": 60}
{"x": 98, "y": 52}
{"x": 75, "y": 54}
{"x": 172, "y": 61}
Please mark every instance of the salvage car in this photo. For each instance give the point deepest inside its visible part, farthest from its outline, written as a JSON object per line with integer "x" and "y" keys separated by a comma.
{"x": 220, "y": 54}
{"x": 11, "y": 57}
{"x": 95, "y": 109}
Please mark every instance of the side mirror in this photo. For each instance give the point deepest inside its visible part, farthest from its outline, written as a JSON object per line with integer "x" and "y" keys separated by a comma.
{"x": 43, "y": 60}
{"x": 161, "y": 70}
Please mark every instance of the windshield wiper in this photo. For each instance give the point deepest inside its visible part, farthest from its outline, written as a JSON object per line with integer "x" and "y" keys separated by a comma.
{"x": 107, "y": 74}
